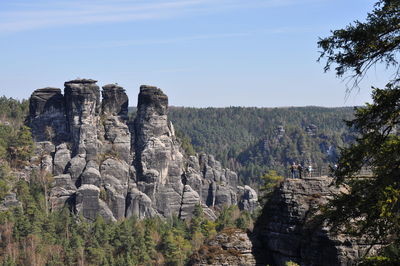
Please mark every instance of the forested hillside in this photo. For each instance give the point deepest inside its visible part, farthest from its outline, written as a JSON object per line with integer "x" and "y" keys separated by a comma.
{"x": 31, "y": 233}
{"x": 252, "y": 141}
{"x": 16, "y": 144}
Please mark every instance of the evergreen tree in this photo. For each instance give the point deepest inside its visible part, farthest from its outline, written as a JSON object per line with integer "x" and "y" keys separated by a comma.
{"x": 371, "y": 207}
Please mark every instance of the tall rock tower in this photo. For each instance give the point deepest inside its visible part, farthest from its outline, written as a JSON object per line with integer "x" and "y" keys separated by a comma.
{"x": 105, "y": 165}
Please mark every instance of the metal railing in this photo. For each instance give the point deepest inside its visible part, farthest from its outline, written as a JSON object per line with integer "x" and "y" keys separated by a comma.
{"x": 320, "y": 171}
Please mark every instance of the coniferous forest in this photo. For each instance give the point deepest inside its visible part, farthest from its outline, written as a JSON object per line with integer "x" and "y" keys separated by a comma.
{"x": 253, "y": 141}
{"x": 248, "y": 140}
{"x": 85, "y": 180}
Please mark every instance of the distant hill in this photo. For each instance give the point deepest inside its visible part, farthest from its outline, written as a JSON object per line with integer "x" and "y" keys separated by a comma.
{"x": 254, "y": 140}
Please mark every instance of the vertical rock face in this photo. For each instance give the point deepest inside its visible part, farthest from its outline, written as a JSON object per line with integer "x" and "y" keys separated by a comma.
{"x": 115, "y": 100}
{"x": 286, "y": 234}
{"x": 153, "y": 136}
{"x": 229, "y": 247}
{"x": 47, "y": 115}
{"x": 159, "y": 162}
{"x": 82, "y": 98}
{"x": 105, "y": 166}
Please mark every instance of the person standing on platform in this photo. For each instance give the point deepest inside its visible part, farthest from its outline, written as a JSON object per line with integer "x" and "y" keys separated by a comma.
{"x": 293, "y": 168}
{"x": 300, "y": 169}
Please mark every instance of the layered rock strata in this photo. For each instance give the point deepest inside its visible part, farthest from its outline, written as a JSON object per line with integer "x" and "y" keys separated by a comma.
{"x": 287, "y": 235}
{"x": 229, "y": 247}
{"x": 105, "y": 165}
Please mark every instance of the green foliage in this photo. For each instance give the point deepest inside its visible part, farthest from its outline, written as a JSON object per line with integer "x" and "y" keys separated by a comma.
{"x": 13, "y": 112}
{"x": 361, "y": 45}
{"x": 186, "y": 143}
{"x": 21, "y": 147}
{"x": 270, "y": 180}
{"x": 231, "y": 217}
{"x": 378, "y": 261}
{"x": 371, "y": 207}
{"x": 16, "y": 145}
{"x": 6, "y": 179}
{"x": 373, "y": 203}
{"x": 30, "y": 235}
{"x": 252, "y": 141}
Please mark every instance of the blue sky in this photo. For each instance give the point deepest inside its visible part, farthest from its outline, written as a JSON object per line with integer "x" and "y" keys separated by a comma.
{"x": 200, "y": 52}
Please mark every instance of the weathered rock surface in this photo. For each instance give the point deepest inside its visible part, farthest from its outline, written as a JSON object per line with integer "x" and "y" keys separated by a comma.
{"x": 103, "y": 165}
{"x": 229, "y": 247}
{"x": 249, "y": 198}
{"x": 82, "y": 99}
{"x": 117, "y": 137}
{"x": 61, "y": 159}
{"x": 286, "y": 235}
{"x": 47, "y": 115}
{"x": 89, "y": 205}
{"x": 115, "y": 100}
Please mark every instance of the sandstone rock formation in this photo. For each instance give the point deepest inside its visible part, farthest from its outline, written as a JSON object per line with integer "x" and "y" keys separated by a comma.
{"x": 285, "y": 232}
{"x": 229, "y": 247}
{"x": 47, "y": 115}
{"x": 105, "y": 165}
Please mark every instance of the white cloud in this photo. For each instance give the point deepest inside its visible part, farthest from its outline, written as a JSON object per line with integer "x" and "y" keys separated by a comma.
{"x": 28, "y": 15}
{"x": 22, "y": 17}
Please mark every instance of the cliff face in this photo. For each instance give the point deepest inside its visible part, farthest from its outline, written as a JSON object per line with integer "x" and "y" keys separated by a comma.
{"x": 286, "y": 234}
{"x": 102, "y": 165}
{"x": 229, "y": 247}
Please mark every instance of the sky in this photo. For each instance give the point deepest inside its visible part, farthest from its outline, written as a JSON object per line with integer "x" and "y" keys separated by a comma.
{"x": 201, "y": 53}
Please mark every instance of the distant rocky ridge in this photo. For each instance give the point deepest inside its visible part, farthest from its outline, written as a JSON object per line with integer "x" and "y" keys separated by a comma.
{"x": 104, "y": 165}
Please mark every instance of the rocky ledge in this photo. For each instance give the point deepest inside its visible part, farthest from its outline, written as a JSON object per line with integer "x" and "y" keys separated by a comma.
{"x": 230, "y": 247}
{"x": 105, "y": 165}
{"x": 286, "y": 235}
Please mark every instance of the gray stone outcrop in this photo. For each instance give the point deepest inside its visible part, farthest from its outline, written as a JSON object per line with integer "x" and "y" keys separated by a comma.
{"x": 105, "y": 165}
{"x": 47, "y": 115}
{"x": 82, "y": 100}
{"x": 286, "y": 232}
{"x": 229, "y": 247}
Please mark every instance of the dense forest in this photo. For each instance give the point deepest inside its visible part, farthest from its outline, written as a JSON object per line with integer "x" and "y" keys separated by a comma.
{"x": 259, "y": 143}
{"x": 253, "y": 141}
{"x": 30, "y": 234}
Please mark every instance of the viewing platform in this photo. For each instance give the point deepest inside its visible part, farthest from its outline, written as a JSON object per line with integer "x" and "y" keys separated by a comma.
{"x": 324, "y": 171}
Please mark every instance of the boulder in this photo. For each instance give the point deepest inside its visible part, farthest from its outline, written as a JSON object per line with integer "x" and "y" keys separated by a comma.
{"x": 64, "y": 181}
{"x": 91, "y": 176}
{"x": 76, "y": 167}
